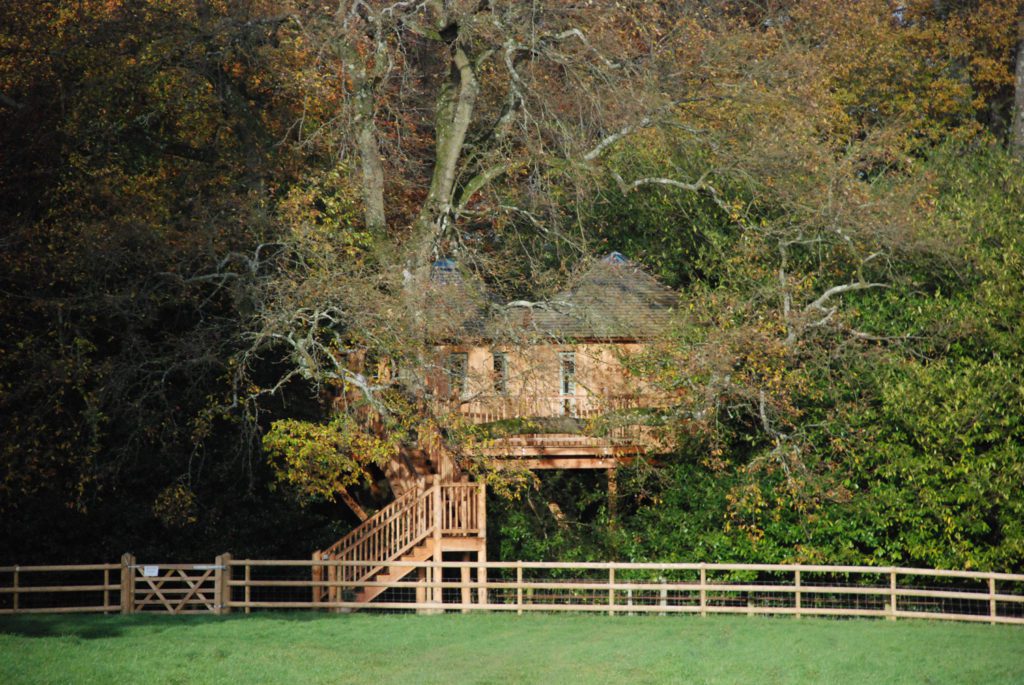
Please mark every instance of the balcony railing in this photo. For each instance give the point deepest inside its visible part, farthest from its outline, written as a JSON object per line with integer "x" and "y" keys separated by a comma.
{"x": 500, "y": 408}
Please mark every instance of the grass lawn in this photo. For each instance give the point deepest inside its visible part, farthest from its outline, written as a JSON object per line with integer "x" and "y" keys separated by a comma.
{"x": 481, "y": 648}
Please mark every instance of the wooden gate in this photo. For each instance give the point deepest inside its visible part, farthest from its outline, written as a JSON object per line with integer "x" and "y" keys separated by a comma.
{"x": 179, "y": 588}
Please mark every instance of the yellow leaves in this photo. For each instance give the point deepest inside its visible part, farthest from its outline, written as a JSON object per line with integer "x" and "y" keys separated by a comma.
{"x": 176, "y": 506}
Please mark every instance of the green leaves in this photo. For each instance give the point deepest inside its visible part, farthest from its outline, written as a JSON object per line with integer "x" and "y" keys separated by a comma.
{"x": 319, "y": 460}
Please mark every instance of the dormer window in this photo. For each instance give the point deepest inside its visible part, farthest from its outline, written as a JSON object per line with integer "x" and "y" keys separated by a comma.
{"x": 445, "y": 272}
{"x": 500, "y": 373}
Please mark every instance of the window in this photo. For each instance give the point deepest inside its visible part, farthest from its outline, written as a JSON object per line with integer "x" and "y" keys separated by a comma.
{"x": 456, "y": 367}
{"x": 500, "y": 373}
{"x": 567, "y": 369}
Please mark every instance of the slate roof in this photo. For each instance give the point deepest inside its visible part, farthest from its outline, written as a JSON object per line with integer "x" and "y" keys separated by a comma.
{"x": 608, "y": 299}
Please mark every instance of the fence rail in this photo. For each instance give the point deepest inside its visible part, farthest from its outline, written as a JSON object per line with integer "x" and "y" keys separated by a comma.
{"x": 64, "y": 589}
{"x": 613, "y": 588}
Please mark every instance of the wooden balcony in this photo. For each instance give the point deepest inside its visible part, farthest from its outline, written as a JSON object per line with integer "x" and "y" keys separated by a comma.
{"x": 555, "y": 438}
{"x": 489, "y": 409}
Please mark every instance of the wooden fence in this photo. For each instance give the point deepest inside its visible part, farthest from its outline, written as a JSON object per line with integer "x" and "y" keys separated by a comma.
{"x": 124, "y": 588}
{"x": 612, "y": 588}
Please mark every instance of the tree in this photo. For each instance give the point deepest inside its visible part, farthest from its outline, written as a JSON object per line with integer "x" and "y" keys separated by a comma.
{"x": 456, "y": 128}
{"x": 138, "y": 149}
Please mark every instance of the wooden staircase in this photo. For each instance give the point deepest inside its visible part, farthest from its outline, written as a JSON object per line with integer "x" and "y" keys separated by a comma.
{"x": 420, "y": 525}
{"x": 393, "y": 574}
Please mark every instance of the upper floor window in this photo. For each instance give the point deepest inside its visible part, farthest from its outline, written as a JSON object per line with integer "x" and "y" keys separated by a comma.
{"x": 456, "y": 369}
{"x": 500, "y": 373}
{"x": 567, "y": 372}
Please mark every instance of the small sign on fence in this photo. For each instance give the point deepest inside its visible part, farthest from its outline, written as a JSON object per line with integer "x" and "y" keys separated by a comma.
{"x": 150, "y": 571}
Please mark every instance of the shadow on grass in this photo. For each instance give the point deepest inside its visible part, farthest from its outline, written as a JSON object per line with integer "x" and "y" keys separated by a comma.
{"x": 92, "y": 627}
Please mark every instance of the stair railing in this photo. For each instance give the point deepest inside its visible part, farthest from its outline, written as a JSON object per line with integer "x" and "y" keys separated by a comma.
{"x": 460, "y": 509}
{"x": 451, "y": 509}
{"x": 384, "y": 537}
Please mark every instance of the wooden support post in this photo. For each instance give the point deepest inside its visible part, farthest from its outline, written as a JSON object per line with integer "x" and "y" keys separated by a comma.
{"x": 437, "y": 596}
{"x": 428, "y": 589}
{"x": 663, "y": 599}
{"x": 17, "y": 593}
{"x": 992, "y": 599}
{"x": 892, "y": 595}
{"x": 629, "y": 600}
{"x": 613, "y": 496}
{"x": 703, "y": 591}
{"x": 438, "y": 521}
{"x": 481, "y": 573}
{"x": 799, "y": 595}
{"x": 482, "y": 512}
{"x": 611, "y": 591}
{"x": 481, "y": 556}
{"x": 127, "y": 583}
{"x": 248, "y": 590}
{"x": 466, "y": 577}
{"x": 221, "y": 587}
{"x": 421, "y": 588}
{"x": 519, "y": 587}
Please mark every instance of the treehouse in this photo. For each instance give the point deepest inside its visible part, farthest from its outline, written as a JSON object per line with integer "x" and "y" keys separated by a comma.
{"x": 541, "y": 385}
{"x": 547, "y": 381}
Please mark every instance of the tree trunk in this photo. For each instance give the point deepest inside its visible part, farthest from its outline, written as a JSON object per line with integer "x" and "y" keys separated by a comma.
{"x": 454, "y": 115}
{"x": 373, "y": 174}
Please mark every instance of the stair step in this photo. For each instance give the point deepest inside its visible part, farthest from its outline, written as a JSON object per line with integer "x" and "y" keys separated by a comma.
{"x": 392, "y": 575}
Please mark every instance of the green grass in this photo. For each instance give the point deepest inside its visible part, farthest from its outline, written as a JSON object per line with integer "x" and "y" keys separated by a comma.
{"x": 451, "y": 649}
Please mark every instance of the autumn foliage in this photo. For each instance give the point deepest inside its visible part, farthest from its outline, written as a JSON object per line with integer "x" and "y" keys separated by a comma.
{"x": 219, "y": 218}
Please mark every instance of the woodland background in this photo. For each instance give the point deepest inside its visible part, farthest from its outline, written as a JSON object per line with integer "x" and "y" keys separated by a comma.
{"x": 211, "y": 208}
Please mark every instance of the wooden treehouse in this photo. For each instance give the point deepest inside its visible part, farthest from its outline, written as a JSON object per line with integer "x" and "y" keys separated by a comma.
{"x": 546, "y": 385}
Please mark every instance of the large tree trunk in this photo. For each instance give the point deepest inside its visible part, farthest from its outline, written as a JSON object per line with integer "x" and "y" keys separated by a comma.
{"x": 452, "y": 119}
{"x": 373, "y": 173}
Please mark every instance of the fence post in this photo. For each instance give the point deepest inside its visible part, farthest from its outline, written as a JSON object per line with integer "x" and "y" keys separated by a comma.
{"x": 663, "y": 601}
{"x": 703, "y": 591}
{"x": 221, "y": 584}
{"x": 248, "y": 590}
{"x": 799, "y": 598}
{"x": 334, "y": 592}
{"x": 992, "y": 599}
{"x": 127, "y": 583}
{"x": 17, "y": 594}
{"x": 611, "y": 590}
{"x": 892, "y": 595}
{"x": 316, "y": 571}
{"x": 519, "y": 587}
{"x": 106, "y": 590}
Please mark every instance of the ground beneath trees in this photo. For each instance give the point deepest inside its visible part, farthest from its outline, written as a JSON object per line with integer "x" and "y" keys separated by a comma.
{"x": 306, "y": 648}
